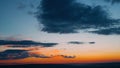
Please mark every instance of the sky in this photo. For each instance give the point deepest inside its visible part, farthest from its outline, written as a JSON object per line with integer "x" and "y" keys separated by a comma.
{"x": 75, "y": 31}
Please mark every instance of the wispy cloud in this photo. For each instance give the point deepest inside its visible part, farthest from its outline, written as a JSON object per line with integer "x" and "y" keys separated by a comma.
{"x": 65, "y": 56}
{"x": 26, "y": 43}
{"x": 109, "y": 31}
{"x": 77, "y": 42}
{"x": 91, "y": 42}
{"x": 51, "y": 56}
{"x": 13, "y": 54}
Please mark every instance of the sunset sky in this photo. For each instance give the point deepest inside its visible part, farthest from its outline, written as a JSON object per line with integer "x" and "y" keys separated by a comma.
{"x": 59, "y": 31}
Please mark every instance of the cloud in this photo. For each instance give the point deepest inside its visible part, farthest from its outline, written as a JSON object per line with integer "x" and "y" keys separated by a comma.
{"x": 76, "y": 42}
{"x": 50, "y": 56}
{"x": 64, "y": 56}
{"x": 40, "y": 56}
{"x": 109, "y": 31}
{"x": 26, "y": 43}
{"x": 68, "y": 16}
{"x": 21, "y": 5}
{"x": 14, "y": 38}
{"x": 44, "y": 56}
{"x": 13, "y": 54}
{"x": 113, "y": 1}
{"x": 91, "y": 42}
{"x": 19, "y": 54}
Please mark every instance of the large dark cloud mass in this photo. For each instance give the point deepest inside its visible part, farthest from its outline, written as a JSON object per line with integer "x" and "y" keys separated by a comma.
{"x": 26, "y": 43}
{"x": 68, "y": 16}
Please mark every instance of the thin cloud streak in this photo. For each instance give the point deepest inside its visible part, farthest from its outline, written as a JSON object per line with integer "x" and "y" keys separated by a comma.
{"x": 26, "y": 43}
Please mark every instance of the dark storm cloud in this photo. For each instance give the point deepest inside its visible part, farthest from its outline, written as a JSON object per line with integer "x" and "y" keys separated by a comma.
{"x": 13, "y": 54}
{"x": 109, "y": 31}
{"x": 26, "y": 43}
{"x": 76, "y": 42}
{"x": 68, "y": 16}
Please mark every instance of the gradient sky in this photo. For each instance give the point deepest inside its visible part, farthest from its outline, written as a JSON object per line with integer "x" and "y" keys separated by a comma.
{"x": 17, "y": 23}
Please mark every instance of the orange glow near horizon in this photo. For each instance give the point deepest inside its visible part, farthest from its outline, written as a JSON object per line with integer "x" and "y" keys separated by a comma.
{"x": 60, "y": 60}
{"x": 84, "y": 54}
